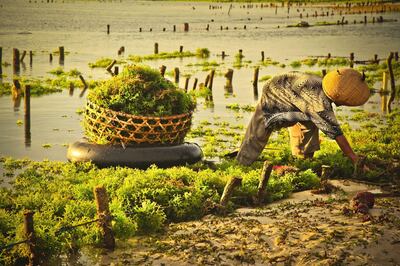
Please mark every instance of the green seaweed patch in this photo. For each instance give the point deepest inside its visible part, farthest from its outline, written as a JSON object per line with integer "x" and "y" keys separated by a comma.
{"x": 141, "y": 90}
{"x": 200, "y": 53}
{"x": 295, "y": 64}
{"x": 269, "y": 62}
{"x": 236, "y": 107}
{"x": 104, "y": 62}
{"x": 5, "y": 88}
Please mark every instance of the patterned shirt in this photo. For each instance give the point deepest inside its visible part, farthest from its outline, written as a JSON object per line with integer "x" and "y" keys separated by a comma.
{"x": 296, "y": 97}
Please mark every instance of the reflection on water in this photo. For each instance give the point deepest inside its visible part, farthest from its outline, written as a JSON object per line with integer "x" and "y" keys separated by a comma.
{"x": 80, "y": 27}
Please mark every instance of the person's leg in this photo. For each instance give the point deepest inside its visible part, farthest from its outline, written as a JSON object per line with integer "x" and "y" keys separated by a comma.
{"x": 255, "y": 139}
{"x": 304, "y": 139}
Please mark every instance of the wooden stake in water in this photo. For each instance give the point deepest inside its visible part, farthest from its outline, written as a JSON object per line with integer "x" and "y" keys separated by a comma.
{"x": 29, "y": 232}
{"x": 351, "y": 60}
{"x": 187, "y": 83}
{"x": 104, "y": 216}
{"x": 229, "y": 77}
{"x": 108, "y": 28}
{"x": 1, "y": 61}
{"x": 30, "y": 58}
{"x": 61, "y": 51}
{"x": 116, "y": 71}
{"x": 162, "y": 70}
{"x": 50, "y": 57}
{"x": 186, "y": 27}
{"x": 27, "y": 115}
{"x": 223, "y": 55}
{"x": 255, "y": 80}
{"x": 155, "y": 48}
{"x": 16, "y": 61}
{"x": 176, "y": 75}
{"x": 392, "y": 82}
{"x": 181, "y": 49}
{"x": 212, "y": 73}
{"x": 195, "y": 83}
{"x": 23, "y": 56}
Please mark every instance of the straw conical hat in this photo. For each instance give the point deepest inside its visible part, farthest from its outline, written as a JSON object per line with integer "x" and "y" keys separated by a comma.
{"x": 346, "y": 86}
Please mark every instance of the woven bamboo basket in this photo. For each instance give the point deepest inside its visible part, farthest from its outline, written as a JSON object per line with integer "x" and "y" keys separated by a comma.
{"x": 103, "y": 125}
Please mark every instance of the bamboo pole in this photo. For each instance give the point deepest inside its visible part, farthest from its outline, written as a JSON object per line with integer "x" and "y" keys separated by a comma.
{"x": 384, "y": 82}
{"x": 30, "y": 236}
{"x": 104, "y": 216}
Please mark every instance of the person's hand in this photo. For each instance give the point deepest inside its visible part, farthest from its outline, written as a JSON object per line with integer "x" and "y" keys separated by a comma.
{"x": 360, "y": 166}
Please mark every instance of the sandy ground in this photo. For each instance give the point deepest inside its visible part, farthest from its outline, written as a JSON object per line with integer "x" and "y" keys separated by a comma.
{"x": 305, "y": 229}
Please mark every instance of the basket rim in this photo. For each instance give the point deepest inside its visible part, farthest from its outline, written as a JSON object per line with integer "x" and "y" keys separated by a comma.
{"x": 138, "y": 116}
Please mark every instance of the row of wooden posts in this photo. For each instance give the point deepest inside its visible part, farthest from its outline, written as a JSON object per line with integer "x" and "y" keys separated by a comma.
{"x": 103, "y": 220}
{"x": 18, "y": 58}
{"x": 104, "y": 217}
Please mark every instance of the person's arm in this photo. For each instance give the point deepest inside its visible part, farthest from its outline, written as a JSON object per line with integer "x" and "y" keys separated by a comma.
{"x": 346, "y": 148}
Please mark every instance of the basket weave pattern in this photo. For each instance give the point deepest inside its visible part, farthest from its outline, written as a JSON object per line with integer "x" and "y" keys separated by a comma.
{"x": 102, "y": 124}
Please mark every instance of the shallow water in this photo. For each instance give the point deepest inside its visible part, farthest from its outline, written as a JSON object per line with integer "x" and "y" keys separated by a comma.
{"x": 81, "y": 28}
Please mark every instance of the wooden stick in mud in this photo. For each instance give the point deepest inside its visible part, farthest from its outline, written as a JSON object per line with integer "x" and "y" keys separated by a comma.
{"x": 23, "y": 56}
{"x": 176, "y": 75}
{"x": 104, "y": 216}
{"x": 262, "y": 56}
{"x": 396, "y": 56}
{"x": 323, "y": 72}
{"x": 181, "y": 49}
{"x": 85, "y": 86}
{"x": 195, "y": 83}
{"x": 16, "y": 61}
{"x": 155, "y": 48}
{"x": 392, "y": 83}
{"x": 186, "y": 27}
{"x": 116, "y": 71}
{"x": 30, "y": 236}
{"x": 262, "y": 185}
{"x": 61, "y": 50}
{"x": 162, "y": 70}
{"x": 223, "y": 55}
{"x": 187, "y": 83}
{"x": 110, "y": 66}
{"x": 174, "y": 29}
{"x": 108, "y": 28}
{"x": 229, "y": 188}
{"x": 50, "y": 57}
